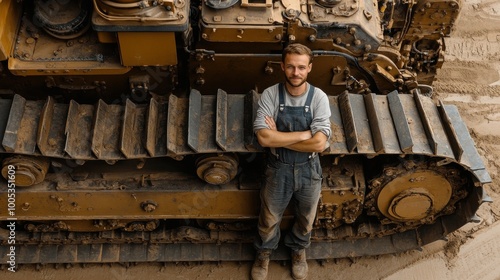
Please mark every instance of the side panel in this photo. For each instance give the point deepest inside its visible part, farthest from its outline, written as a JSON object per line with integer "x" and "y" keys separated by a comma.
{"x": 10, "y": 12}
{"x": 147, "y": 48}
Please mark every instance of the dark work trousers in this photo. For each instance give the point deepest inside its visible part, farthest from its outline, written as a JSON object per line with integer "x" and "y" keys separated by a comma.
{"x": 290, "y": 176}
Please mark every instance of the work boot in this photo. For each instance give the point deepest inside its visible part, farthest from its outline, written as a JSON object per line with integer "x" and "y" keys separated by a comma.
{"x": 259, "y": 268}
{"x": 299, "y": 265}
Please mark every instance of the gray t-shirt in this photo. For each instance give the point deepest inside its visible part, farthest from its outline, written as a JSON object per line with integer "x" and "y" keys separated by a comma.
{"x": 269, "y": 106}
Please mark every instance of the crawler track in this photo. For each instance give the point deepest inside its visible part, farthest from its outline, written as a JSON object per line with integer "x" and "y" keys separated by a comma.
{"x": 368, "y": 130}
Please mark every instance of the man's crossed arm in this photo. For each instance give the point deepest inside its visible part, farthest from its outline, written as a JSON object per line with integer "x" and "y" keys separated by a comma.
{"x": 300, "y": 141}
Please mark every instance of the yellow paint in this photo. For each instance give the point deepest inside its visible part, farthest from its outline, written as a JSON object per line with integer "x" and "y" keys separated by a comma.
{"x": 10, "y": 13}
{"x": 147, "y": 48}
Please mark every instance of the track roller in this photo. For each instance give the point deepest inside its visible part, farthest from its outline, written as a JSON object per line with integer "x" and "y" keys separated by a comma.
{"x": 29, "y": 171}
{"x": 217, "y": 169}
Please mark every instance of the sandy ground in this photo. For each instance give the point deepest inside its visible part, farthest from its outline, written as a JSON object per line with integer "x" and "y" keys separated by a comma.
{"x": 470, "y": 79}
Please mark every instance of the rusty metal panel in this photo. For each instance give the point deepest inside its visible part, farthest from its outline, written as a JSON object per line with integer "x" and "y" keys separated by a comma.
{"x": 156, "y": 129}
{"x": 348, "y": 122}
{"x": 250, "y": 113}
{"x": 386, "y": 128}
{"x": 79, "y": 131}
{"x": 89, "y": 252}
{"x": 29, "y": 254}
{"x": 429, "y": 132}
{"x": 51, "y": 137}
{"x": 133, "y": 131}
{"x": 65, "y": 253}
{"x": 400, "y": 122}
{"x": 13, "y": 123}
{"x": 365, "y": 141}
{"x": 451, "y": 133}
{"x": 72, "y": 59}
{"x": 49, "y": 254}
{"x": 5, "y": 105}
{"x": 338, "y": 143}
{"x": 470, "y": 156}
{"x": 434, "y": 127}
{"x": 177, "y": 130}
{"x": 373, "y": 119}
{"x": 201, "y": 122}
{"x": 355, "y": 119}
{"x": 417, "y": 131}
{"x": 108, "y": 123}
{"x": 250, "y": 34}
{"x": 110, "y": 253}
{"x": 22, "y": 127}
{"x": 230, "y": 131}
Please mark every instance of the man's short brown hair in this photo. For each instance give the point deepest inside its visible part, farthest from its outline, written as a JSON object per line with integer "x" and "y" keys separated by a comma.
{"x": 297, "y": 48}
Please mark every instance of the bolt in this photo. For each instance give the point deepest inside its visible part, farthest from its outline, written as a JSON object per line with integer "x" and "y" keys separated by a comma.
{"x": 200, "y": 70}
{"x": 291, "y": 12}
{"x": 140, "y": 164}
{"x": 389, "y": 172}
{"x": 352, "y": 30}
{"x": 291, "y": 38}
{"x": 148, "y": 206}
{"x": 312, "y": 38}
{"x": 240, "y": 19}
{"x": 269, "y": 70}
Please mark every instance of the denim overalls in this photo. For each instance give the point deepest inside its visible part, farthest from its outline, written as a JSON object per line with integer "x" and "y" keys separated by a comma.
{"x": 290, "y": 175}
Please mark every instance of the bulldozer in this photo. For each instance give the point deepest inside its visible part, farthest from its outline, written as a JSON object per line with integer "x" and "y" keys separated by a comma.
{"x": 126, "y": 128}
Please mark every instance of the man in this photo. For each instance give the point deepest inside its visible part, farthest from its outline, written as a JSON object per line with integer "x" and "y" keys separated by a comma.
{"x": 293, "y": 121}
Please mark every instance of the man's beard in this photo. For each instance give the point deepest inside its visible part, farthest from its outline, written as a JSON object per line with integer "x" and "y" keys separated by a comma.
{"x": 292, "y": 85}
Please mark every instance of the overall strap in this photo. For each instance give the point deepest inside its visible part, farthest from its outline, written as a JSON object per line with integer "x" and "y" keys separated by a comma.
{"x": 310, "y": 94}
{"x": 282, "y": 96}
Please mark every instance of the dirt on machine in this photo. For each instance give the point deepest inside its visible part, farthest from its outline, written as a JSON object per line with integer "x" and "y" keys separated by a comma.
{"x": 126, "y": 127}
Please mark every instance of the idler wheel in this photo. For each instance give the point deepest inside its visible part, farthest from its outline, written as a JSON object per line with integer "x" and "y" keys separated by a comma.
{"x": 414, "y": 196}
{"x": 412, "y": 204}
{"x": 28, "y": 171}
{"x": 217, "y": 169}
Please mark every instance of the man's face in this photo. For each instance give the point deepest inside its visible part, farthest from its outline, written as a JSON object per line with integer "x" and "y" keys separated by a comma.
{"x": 296, "y": 68}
